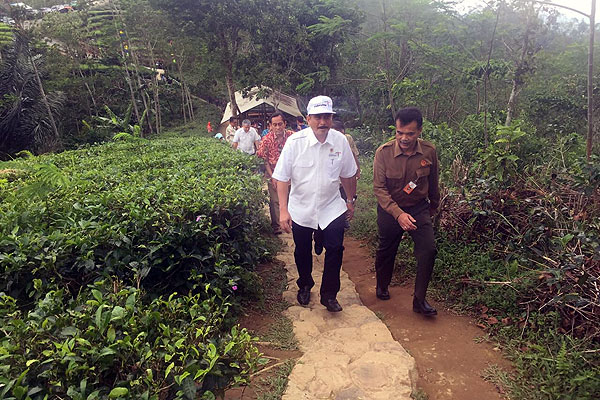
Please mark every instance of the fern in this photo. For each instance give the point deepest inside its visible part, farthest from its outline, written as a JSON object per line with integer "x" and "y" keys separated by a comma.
{"x": 123, "y": 136}
{"x": 46, "y": 178}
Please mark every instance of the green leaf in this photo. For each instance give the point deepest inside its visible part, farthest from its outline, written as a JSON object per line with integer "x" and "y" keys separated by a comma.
{"x": 111, "y": 335}
{"x": 97, "y": 294}
{"x": 117, "y": 313}
{"x": 68, "y": 331}
{"x": 169, "y": 368}
{"x": 118, "y": 392}
{"x": 130, "y": 302}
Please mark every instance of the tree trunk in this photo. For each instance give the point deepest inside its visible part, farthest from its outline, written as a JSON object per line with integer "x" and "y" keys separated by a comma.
{"x": 521, "y": 68}
{"x": 590, "y": 90}
{"x": 89, "y": 91}
{"x": 44, "y": 97}
{"x": 157, "y": 116}
{"x": 235, "y": 110}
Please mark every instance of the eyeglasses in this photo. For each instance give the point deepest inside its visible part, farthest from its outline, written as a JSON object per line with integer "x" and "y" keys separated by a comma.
{"x": 277, "y": 123}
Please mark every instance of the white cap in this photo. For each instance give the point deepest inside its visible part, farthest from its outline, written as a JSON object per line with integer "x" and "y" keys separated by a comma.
{"x": 320, "y": 105}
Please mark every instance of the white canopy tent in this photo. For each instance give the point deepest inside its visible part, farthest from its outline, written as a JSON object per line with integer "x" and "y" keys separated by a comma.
{"x": 258, "y": 109}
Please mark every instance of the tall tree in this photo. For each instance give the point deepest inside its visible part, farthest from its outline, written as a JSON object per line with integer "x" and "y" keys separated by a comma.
{"x": 27, "y": 112}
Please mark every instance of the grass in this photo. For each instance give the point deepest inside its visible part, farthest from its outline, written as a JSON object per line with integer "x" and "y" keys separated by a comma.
{"x": 419, "y": 394}
{"x": 273, "y": 387}
{"x": 281, "y": 334}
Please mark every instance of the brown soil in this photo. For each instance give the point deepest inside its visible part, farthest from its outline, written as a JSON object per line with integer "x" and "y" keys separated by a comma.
{"x": 448, "y": 350}
{"x": 260, "y": 319}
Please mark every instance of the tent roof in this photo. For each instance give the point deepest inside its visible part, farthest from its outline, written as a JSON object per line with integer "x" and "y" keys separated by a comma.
{"x": 278, "y": 100}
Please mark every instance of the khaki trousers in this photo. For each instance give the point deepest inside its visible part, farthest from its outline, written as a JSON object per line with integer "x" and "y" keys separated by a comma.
{"x": 273, "y": 205}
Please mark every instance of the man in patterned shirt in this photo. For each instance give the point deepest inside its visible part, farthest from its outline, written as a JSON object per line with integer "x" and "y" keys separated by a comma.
{"x": 269, "y": 150}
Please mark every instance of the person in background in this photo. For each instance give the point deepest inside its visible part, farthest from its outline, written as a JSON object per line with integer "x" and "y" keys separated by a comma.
{"x": 219, "y": 136}
{"x": 246, "y": 139}
{"x": 270, "y": 150}
{"x": 312, "y": 162}
{"x": 338, "y": 125}
{"x": 230, "y": 131}
{"x": 405, "y": 183}
{"x": 267, "y": 129}
{"x": 209, "y": 128}
{"x": 300, "y": 123}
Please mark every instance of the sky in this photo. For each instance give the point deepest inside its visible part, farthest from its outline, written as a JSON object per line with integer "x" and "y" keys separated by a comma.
{"x": 581, "y": 5}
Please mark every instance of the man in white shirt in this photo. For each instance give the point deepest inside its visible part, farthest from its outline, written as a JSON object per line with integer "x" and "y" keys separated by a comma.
{"x": 246, "y": 138}
{"x": 314, "y": 161}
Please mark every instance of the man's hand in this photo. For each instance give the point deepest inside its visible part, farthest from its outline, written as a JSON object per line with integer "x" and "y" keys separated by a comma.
{"x": 274, "y": 182}
{"x": 285, "y": 220}
{"x": 350, "y": 211}
{"x": 406, "y": 222}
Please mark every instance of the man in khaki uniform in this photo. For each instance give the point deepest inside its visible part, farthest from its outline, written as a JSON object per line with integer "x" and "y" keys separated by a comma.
{"x": 405, "y": 182}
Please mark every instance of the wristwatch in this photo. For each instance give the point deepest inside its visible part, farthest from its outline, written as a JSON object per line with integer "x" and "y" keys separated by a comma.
{"x": 353, "y": 200}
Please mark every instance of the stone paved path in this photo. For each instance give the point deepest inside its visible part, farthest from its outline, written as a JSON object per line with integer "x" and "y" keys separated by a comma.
{"x": 349, "y": 355}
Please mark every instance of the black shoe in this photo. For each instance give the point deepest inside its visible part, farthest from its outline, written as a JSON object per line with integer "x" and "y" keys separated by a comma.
{"x": 382, "y": 293}
{"x": 423, "y": 307}
{"x": 332, "y": 305}
{"x": 304, "y": 296}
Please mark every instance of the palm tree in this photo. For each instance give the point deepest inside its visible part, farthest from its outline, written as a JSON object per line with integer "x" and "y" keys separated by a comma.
{"x": 27, "y": 113}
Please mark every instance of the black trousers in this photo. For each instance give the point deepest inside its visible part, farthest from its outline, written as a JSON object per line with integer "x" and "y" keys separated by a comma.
{"x": 333, "y": 242}
{"x": 390, "y": 234}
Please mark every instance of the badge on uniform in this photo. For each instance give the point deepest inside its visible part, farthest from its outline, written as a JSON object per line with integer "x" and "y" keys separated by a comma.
{"x": 410, "y": 186}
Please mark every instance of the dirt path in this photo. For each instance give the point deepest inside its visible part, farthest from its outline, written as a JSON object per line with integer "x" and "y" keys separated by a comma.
{"x": 450, "y": 358}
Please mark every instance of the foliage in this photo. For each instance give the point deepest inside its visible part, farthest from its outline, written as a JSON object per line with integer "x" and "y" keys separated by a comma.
{"x": 113, "y": 342}
{"x": 93, "y": 246}
{"x": 158, "y": 212}
{"x": 24, "y": 119}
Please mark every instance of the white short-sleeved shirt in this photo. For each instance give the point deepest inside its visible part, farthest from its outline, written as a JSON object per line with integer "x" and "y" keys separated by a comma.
{"x": 245, "y": 140}
{"x": 314, "y": 169}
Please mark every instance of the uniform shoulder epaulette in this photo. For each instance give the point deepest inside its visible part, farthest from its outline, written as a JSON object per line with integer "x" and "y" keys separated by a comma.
{"x": 387, "y": 144}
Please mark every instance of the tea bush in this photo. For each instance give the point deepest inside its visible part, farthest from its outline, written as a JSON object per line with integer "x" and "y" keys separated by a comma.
{"x": 151, "y": 212}
{"x": 94, "y": 244}
{"x": 110, "y": 342}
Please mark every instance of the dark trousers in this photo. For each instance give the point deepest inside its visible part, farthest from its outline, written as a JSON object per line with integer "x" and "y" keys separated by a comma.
{"x": 390, "y": 234}
{"x": 333, "y": 242}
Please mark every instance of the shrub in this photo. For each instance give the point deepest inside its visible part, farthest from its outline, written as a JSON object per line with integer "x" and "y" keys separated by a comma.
{"x": 94, "y": 246}
{"x": 111, "y": 343}
{"x": 150, "y": 212}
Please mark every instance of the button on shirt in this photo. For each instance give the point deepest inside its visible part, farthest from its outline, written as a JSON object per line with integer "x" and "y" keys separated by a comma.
{"x": 393, "y": 170}
{"x": 245, "y": 140}
{"x": 314, "y": 169}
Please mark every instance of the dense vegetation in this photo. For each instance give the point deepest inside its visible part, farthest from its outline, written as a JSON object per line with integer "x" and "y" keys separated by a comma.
{"x": 519, "y": 246}
{"x": 503, "y": 89}
{"x": 121, "y": 269}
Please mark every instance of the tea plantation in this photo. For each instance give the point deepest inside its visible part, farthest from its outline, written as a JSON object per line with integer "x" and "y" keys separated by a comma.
{"x": 121, "y": 267}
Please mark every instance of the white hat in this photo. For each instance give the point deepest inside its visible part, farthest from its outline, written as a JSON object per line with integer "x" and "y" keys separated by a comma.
{"x": 320, "y": 105}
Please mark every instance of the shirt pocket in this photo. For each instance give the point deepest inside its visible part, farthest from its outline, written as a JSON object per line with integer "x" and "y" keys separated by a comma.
{"x": 333, "y": 168}
{"x": 423, "y": 171}
{"x": 303, "y": 163}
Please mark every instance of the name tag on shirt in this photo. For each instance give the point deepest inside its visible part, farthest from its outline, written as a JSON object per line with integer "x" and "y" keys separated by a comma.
{"x": 334, "y": 155}
{"x": 410, "y": 186}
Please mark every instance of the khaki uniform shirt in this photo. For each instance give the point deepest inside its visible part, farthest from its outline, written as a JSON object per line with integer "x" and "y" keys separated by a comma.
{"x": 352, "y": 144}
{"x": 393, "y": 170}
